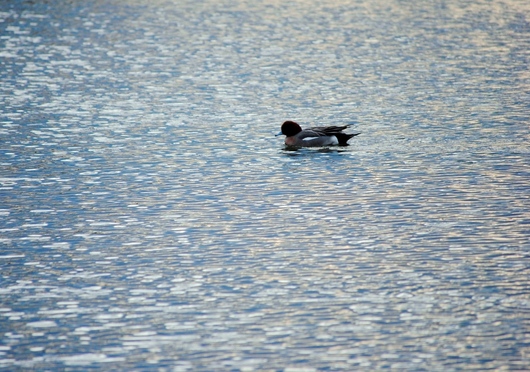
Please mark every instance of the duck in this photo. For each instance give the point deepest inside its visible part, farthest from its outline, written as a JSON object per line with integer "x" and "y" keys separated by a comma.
{"x": 316, "y": 136}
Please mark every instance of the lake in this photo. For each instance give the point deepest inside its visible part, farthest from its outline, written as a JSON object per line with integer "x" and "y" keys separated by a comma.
{"x": 151, "y": 220}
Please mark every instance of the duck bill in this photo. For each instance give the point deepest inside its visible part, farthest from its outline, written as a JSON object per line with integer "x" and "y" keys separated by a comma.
{"x": 278, "y": 134}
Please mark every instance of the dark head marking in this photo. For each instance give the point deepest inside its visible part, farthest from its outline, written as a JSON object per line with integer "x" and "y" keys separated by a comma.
{"x": 290, "y": 128}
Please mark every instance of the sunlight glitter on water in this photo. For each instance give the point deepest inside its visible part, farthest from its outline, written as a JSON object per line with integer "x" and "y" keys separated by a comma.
{"x": 150, "y": 218}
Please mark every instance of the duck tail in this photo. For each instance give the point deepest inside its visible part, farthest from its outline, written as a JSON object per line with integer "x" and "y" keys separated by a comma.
{"x": 345, "y": 137}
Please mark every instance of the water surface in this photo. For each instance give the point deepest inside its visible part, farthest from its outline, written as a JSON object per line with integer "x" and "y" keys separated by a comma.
{"x": 149, "y": 218}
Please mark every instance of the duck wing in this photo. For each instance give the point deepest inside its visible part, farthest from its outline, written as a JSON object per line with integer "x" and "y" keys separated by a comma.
{"x": 326, "y": 131}
{"x": 318, "y": 133}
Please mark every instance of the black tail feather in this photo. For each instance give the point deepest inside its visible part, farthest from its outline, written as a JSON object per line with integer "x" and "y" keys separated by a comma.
{"x": 345, "y": 137}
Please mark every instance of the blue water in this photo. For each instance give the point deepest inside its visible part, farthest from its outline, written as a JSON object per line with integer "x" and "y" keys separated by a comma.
{"x": 150, "y": 219}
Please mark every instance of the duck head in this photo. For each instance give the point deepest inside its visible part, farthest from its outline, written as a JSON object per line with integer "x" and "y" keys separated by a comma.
{"x": 290, "y": 128}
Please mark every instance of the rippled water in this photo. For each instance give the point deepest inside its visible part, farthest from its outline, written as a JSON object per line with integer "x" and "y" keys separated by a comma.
{"x": 149, "y": 218}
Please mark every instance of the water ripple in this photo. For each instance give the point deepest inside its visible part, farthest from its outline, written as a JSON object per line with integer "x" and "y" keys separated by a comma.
{"x": 150, "y": 218}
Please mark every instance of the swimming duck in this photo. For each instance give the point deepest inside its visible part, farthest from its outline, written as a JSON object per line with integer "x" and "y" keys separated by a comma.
{"x": 315, "y": 137}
